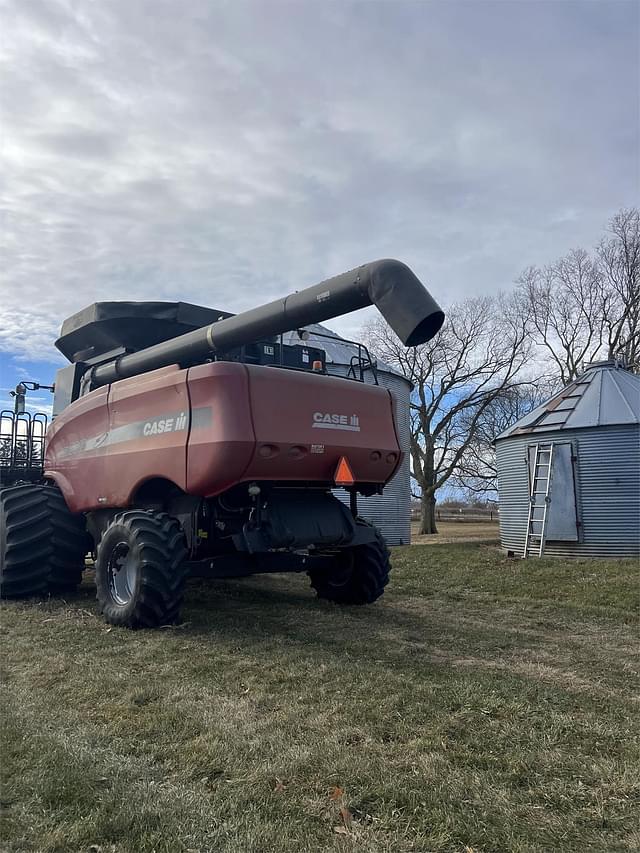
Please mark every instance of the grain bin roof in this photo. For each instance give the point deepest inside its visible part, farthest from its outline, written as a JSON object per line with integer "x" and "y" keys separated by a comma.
{"x": 605, "y": 394}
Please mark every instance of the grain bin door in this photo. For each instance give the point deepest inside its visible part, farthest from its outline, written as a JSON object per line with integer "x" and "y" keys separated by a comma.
{"x": 562, "y": 518}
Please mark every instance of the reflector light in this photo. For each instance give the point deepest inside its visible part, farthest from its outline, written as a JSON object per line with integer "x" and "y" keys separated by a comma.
{"x": 344, "y": 474}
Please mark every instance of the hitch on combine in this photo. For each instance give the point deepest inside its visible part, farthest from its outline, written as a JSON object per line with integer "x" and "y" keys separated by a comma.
{"x": 191, "y": 441}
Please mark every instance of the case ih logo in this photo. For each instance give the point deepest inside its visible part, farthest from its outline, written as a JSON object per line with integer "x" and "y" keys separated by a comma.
{"x": 165, "y": 425}
{"x": 321, "y": 420}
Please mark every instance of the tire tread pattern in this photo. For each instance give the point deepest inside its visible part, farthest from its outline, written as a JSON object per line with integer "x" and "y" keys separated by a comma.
{"x": 159, "y": 543}
{"x": 25, "y": 541}
{"x": 70, "y": 541}
{"x": 42, "y": 545}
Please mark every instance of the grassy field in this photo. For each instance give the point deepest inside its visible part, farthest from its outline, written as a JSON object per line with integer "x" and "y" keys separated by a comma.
{"x": 484, "y": 704}
{"x": 457, "y": 531}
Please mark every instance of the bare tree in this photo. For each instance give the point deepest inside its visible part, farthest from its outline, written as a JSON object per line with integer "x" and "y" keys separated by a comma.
{"x": 476, "y": 473}
{"x": 565, "y": 304}
{"x": 619, "y": 264}
{"x": 479, "y": 353}
{"x": 584, "y": 307}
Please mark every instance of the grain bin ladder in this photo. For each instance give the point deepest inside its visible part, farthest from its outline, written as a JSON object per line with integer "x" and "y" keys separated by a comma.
{"x": 539, "y": 500}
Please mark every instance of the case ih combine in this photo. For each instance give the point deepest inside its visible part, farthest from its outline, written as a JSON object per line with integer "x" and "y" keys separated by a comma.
{"x": 189, "y": 441}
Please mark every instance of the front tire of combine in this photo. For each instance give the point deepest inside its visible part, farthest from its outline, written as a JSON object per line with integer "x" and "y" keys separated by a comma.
{"x": 359, "y": 574}
{"x": 70, "y": 542}
{"x": 140, "y": 570}
{"x": 25, "y": 541}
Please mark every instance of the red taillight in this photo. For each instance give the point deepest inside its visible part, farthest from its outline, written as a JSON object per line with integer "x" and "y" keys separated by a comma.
{"x": 344, "y": 474}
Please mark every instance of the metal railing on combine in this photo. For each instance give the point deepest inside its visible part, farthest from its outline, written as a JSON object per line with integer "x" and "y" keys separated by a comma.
{"x": 22, "y": 438}
{"x": 359, "y": 363}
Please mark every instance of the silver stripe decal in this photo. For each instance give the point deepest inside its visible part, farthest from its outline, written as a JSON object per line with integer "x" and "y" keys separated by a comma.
{"x": 336, "y": 426}
{"x": 172, "y": 422}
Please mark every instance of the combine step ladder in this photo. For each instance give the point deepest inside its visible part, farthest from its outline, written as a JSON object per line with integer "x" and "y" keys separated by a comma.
{"x": 539, "y": 500}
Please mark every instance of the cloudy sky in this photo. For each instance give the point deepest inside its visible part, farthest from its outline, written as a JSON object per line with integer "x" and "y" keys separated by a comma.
{"x": 226, "y": 153}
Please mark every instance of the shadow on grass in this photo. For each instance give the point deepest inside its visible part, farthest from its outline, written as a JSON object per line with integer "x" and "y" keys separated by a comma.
{"x": 259, "y": 612}
{"x": 452, "y": 621}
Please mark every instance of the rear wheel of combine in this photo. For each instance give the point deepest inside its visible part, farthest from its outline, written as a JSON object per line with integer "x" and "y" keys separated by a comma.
{"x": 42, "y": 545}
{"x": 25, "y": 541}
{"x": 358, "y": 576}
{"x": 70, "y": 542}
{"x": 140, "y": 570}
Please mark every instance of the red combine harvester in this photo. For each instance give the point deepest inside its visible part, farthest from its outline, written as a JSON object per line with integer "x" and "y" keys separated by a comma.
{"x": 189, "y": 441}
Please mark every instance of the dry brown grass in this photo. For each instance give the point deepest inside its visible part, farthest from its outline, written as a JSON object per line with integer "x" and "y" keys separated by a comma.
{"x": 450, "y": 532}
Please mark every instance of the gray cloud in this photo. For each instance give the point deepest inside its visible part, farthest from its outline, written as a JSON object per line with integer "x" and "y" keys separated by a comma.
{"x": 227, "y": 153}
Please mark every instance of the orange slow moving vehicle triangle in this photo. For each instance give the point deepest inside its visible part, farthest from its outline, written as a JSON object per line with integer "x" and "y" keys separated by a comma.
{"x": 344, "y": 474}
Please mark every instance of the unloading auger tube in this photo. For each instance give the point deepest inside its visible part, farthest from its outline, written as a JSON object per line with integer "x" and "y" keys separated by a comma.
{"x": 390, "y": 285}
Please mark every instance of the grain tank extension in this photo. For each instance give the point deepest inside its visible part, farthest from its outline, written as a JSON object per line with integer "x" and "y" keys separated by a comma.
{"x": 190, "y": 441}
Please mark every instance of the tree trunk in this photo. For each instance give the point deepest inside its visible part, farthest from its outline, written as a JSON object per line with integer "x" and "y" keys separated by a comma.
{"x": 428, "y": 514}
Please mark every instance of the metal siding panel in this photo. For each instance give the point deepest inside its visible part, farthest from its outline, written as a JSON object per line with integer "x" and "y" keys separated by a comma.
{"x": 562, "y": 514}
{"x": 513, "y": 491}
{"x": 608, "y": 491}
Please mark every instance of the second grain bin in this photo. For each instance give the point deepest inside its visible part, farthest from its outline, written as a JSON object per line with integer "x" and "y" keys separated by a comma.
{"x": 569, "y": 471}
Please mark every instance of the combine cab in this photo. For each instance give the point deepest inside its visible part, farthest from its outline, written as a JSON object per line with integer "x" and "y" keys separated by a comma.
{"x": 190, "y": 441}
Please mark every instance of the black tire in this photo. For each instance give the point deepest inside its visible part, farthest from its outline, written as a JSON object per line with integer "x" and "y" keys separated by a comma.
{"x": 358, "y": 576}
{"x": 70, "y": 542}
{"x": 42, "y": 545}
{"x": 25, "y": 541}
{"x": 140, "y": 570}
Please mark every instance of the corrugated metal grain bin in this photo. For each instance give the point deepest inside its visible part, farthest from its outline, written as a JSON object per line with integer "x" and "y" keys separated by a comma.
{"x": 391, "y": 511}
{"x": 590, "y": 433}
